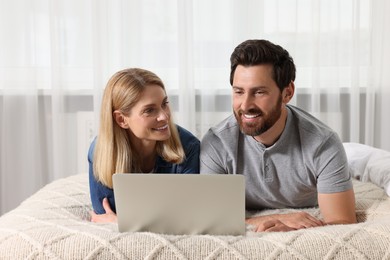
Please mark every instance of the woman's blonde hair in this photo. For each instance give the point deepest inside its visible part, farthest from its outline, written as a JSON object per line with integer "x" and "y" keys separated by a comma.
{"x": 113, "y": 151}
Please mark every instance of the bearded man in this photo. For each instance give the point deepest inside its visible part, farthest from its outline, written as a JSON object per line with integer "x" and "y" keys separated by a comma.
{"x": 289, "y": 158}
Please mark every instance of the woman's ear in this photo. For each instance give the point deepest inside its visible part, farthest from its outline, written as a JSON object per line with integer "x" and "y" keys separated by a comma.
{"x": 288, "y": 92}
{"x": 120, "y": 119}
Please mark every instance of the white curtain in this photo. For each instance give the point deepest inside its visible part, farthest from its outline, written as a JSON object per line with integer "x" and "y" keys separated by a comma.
{"x": 57, "y": 55}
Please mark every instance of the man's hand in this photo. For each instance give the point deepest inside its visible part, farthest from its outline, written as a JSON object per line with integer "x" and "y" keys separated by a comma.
{"x": 109, "y": 216}
{"x": 270, "y": 225}
{"x": 284, "y": 222}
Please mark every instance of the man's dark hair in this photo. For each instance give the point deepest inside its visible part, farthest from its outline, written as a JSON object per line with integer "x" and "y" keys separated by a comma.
{"x": 257, "y": 52}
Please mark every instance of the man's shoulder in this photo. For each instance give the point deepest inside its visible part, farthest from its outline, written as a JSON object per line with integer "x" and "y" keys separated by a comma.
{"x": 227, "y": 127}
{"x": 219, "y": 147}
{"x": 315, "y": 136}
{"x": 309, "y": 125}
{"x": 224, "y": 135}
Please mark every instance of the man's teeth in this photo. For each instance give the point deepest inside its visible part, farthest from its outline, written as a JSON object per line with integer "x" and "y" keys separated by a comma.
{"x": 162, "y": 128}
{"x": 251, "y": 116}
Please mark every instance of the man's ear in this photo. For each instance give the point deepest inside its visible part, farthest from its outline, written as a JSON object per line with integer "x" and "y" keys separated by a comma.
{"x": 288, "y": 92}
{"x": 120, "y": 119}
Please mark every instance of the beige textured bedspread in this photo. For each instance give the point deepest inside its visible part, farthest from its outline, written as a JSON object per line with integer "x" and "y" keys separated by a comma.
{"x": 54, "y": 224}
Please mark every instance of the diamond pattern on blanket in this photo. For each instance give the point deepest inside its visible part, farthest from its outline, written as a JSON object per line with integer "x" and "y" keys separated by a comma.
{"x": 54, "y": 224}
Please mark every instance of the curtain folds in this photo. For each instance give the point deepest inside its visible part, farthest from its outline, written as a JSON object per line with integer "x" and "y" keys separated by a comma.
{"x": 56, "y": 57}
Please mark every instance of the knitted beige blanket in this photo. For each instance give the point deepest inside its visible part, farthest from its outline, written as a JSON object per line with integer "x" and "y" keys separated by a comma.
{"x": 54, "y": 224}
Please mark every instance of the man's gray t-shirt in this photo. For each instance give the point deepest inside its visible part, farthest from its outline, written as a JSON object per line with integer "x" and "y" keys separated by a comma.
{"x": 307, "y": 158}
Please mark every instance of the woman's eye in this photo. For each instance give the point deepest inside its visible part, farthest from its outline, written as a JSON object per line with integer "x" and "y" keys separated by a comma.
{"x": 149, "y": 110}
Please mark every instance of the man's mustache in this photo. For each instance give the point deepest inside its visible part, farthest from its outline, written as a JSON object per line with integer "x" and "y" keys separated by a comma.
{"x": 250, "y": 112}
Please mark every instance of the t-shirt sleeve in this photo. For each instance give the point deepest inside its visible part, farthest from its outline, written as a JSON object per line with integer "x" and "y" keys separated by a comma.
{"x": 211, "y": 155}
{"x": 332, "y": 165}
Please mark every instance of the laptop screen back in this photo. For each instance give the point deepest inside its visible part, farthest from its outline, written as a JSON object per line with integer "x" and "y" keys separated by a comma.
{"x": 180, "y": 203}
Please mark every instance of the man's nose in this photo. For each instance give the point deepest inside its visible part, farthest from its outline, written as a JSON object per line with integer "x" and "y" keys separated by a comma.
{"x": 247, "y": 103}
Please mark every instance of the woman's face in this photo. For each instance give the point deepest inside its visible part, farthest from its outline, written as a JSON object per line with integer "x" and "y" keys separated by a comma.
{"x": 149, "y": 118}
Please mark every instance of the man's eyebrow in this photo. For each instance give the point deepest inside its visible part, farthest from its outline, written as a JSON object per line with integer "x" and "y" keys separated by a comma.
{"x": 260, "y": 88}
{"x": 253, "y": 88}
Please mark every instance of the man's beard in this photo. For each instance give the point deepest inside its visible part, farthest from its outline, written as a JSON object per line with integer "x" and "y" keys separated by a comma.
{"x": 258, "y": 128}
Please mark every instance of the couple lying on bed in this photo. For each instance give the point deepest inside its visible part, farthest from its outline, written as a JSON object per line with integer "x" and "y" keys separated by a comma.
{"x": 289, "y": 158}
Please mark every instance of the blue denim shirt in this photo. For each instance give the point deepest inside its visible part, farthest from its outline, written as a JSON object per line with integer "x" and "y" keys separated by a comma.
{"x": 191, "y": 146}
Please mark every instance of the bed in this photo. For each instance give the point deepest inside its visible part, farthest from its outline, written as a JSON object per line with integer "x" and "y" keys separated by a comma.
{"x": 54, "y": 224}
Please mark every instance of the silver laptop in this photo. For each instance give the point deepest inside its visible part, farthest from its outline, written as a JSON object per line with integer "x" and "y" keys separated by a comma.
{"x": 180, "y": 204}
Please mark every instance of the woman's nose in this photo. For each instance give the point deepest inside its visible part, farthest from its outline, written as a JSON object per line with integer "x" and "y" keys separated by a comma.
{"x": 163, "y": 115}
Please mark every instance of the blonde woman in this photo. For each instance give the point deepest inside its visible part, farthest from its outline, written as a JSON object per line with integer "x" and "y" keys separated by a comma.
{"x": 136, "y": 135}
